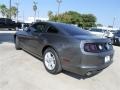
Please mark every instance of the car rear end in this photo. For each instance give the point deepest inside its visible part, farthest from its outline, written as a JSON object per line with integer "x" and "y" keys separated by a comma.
{"x": 85, "y": 53}
{"x": 96, "y": 55}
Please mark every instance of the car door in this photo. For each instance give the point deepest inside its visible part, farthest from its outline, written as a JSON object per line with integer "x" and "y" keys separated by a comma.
{"x": 25, "y": 38}
{"x": 36, "y": 38}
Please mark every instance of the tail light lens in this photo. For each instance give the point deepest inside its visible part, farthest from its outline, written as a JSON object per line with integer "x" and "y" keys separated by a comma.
{"x": 89, "y": 47}
{"x": 96, "y": 47}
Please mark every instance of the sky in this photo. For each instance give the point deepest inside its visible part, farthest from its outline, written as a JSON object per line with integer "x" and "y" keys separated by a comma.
{"x": 105, "y": 10}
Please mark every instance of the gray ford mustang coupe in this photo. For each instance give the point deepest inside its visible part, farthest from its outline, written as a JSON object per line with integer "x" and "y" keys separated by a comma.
{"x": 65, "y": 47}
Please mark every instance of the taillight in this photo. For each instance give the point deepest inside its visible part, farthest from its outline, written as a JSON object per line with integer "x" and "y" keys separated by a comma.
{"x": 90, "y": 47}
{"x": 96, "y": 47}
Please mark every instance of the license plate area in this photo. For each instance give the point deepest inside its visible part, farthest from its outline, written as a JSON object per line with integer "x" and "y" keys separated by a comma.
{"x": 107, "y": 59}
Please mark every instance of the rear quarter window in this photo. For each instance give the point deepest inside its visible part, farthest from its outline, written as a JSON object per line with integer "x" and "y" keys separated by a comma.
{"x": 52, "y": 30}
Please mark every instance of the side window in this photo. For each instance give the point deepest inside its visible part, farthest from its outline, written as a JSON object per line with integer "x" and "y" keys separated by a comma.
{"x": 39, "y": 27}
{"x": 52, "y": 30}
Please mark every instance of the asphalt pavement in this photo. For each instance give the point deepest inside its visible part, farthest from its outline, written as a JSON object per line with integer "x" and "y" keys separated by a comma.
{"x": 21, "y": 71}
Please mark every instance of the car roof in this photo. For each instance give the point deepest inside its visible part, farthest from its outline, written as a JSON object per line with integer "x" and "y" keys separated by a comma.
{"x": 51, "y": 23}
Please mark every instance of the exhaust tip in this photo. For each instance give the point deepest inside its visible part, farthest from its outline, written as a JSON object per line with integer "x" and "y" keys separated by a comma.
{"x": 89, "y": 73}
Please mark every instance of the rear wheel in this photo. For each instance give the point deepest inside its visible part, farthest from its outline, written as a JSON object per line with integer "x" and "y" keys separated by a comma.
{"x": 17, "y": 43}
{"x": 52, "y": 61}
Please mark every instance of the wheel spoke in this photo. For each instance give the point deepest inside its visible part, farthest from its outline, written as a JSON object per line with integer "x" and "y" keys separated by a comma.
{"x": 50, "y": 60}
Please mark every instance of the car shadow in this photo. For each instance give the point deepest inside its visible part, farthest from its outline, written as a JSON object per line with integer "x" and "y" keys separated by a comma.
{"x": 116, "y": 45}
{"x": 6, "y": 37}
{"x": 77, "y": 76}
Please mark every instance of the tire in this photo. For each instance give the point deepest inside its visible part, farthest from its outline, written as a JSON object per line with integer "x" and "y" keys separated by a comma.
{"x": 17, "y": 44}
{"x": 118, "y": 42}
{"x": 51, "y": 61}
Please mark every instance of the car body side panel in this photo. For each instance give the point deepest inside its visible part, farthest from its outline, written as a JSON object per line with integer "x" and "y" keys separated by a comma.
{"x": 55, "y": 41}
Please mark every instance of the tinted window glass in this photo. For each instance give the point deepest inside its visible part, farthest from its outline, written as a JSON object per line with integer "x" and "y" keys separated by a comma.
{"x": 72, "y": 30}
{"x": 5, "y": 20}
{"x": 52, "y": 30}
{"x": 39, "y": 27}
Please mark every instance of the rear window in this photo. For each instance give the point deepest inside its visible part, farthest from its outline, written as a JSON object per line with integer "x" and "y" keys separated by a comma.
{"x": 72, "y": 30}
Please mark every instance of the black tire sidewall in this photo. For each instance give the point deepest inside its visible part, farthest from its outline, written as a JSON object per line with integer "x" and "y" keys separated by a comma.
{"x": 17, "y": 44}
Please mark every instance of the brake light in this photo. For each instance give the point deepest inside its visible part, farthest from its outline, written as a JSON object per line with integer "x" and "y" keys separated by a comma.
{"x": 97, "y": 47}
{"x": 90, "y": 47}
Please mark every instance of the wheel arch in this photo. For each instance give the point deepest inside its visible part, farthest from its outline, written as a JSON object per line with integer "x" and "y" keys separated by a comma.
{"x": 48, "y": 46}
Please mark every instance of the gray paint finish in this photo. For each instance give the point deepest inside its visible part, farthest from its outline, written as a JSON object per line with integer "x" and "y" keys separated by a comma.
{"x": 70, "y": 48}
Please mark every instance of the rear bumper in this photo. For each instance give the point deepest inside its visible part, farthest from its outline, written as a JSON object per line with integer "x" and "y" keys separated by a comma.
{"x": 92, "y": 63}
{"x": 84, "y": 70}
